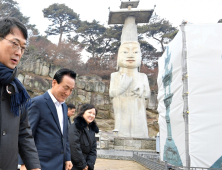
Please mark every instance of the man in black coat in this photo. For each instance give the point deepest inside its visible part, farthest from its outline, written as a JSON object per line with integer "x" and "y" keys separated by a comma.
{"x": 16, "y": 135}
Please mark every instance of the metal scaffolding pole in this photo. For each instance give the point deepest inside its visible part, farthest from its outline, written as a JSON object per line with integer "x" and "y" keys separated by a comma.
{"x": 185, "y": 93}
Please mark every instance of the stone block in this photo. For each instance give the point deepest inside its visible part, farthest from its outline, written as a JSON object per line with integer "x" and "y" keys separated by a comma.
{"x": 135, "y": 144}
{"x": 37, "y": 67}
{"x": 89, "y": 86}
{"x": 81, "y": 92}
{"x": 95, "y": 86}
{"x": 104, "y": 144}
{"x": 21, "y": 78}
{"x": 27, "y": 80}
{"x": 103, "y": 107}
{"x": 40, "y": 67}
{"x": 84, "y": 78}
{"x": 112, "y": 116}
{"x": 103, "y": 114}
{"x": 80, "y": 84}
{"x": 97, "y": 99}
{"x": 153, "y": 127}
{"x": 73, "y": 95}
{"x": 119, "y": 147}
{"x": 106, "y": 89}
{"x": 98, "y": 86}
{"x": 103, "y": 125}
{"x": 152, "y": 103}
{"x": 45, "y": 85}
{"x": 45, "y": 70}
{"x": 95, "y": 78}
{"x": 130, "y": 147}
{"x": 81, "y": 97}
{"x": 156, "y": 125}
{"x": 36, "y": 84}
{"x": 31, "y": 68}
{"x": 88, "y": 97}
{"x": 118, "y": 142}
{"x": 151, "y": 115}
{"x": 148, "y": 144}
{"x": 53, "y": 70}
{"x": 101, "y": 87}
{"x": 106, "y": 99}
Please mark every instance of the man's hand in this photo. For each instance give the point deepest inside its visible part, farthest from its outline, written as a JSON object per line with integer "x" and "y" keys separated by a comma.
{"x": 86, "y": 168}
{"x": 24, "y": 168}
{"x": 68, "y": 165}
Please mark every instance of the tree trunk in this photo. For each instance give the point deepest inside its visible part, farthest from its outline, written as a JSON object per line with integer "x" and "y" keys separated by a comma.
{"x": 161, "y": 42}
{"x": 60, "y": 30}
{"x": 60, "y": 39}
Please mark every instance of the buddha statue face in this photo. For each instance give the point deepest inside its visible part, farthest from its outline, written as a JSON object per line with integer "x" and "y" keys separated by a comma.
{"x": 129, "y": 55}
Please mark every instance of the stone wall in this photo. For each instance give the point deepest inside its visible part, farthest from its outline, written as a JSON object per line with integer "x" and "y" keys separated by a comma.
{"x": 92, "y": 89}
{"x": 41, "y": 67}
{"x": 88, "y": 89}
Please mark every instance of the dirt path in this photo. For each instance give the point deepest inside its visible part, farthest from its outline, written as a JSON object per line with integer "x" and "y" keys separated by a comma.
{"x": 108, "y": 164}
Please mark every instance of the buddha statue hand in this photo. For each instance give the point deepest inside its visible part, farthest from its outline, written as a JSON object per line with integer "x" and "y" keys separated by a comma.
{"x": 124, "y": 83}
{"x": 138, "y": 90}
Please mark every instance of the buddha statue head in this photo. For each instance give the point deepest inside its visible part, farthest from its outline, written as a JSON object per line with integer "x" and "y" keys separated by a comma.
{"x": 129, "y": 55}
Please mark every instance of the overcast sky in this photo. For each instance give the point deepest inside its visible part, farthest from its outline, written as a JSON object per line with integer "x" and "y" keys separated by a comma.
{"x": 194, "y": 11}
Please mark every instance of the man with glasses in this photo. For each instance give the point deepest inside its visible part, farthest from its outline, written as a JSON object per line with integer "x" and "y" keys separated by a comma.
{"x": 16, "y": 46}
{"x": 15, "y": 133}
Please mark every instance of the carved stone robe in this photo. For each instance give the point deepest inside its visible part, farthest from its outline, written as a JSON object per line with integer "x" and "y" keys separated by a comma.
{"x": 130, "y": 111}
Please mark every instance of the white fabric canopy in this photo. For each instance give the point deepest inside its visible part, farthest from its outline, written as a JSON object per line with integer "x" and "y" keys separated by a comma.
{"x": 204, "y": 69}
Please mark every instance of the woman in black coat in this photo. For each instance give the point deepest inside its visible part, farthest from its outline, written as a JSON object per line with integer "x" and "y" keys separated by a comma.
{"x": 82, "y": 139}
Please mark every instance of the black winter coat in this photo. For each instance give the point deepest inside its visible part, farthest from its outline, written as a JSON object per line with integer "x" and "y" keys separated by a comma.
{"x": 15, "y": 137}
{"x": 82, "y": 143}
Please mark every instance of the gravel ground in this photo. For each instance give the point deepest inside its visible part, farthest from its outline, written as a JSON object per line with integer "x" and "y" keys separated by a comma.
{"x": 108, "y": 164}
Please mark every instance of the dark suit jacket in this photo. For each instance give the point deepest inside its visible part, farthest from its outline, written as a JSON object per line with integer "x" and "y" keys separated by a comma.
{"x": 52, "y": 145}
{"x": 69, "y": 122}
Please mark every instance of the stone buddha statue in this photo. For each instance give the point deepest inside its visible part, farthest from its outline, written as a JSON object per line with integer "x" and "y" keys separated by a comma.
{"x": 129, "y": 88}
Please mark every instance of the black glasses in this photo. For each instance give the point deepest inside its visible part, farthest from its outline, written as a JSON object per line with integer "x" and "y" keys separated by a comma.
{"x": 16, "y": 46}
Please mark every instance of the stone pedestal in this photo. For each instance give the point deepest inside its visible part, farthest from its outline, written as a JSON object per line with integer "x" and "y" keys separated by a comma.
{"x": 134, "y": 143}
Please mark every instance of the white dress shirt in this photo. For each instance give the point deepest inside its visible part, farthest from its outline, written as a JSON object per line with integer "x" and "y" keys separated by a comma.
{"x": 58, "y": 106}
